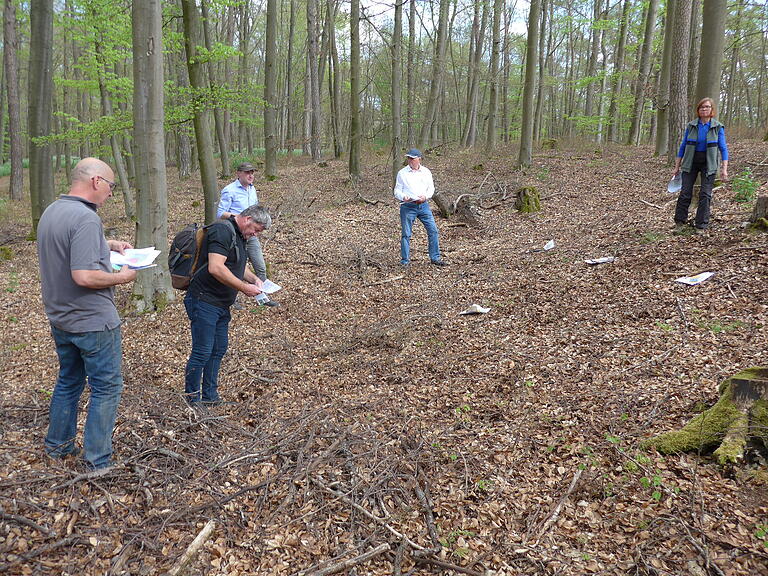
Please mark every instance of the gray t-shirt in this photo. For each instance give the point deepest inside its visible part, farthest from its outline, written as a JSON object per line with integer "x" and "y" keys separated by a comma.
{"x": 70, "y": 237}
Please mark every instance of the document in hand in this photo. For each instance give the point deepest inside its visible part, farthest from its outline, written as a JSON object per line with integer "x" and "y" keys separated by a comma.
{"x": 136, "y": 258}
{"x": 269, "y": 287}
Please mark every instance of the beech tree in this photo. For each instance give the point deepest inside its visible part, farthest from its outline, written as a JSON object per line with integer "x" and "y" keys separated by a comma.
{"x": 10, "y": 67}
{"x": 526, "y": 128}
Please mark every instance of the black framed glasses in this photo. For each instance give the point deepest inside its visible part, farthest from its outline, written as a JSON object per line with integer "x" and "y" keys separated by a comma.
{"x": 112, "y": 185}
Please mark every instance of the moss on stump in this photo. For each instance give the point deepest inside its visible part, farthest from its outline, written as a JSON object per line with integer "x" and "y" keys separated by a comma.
{"x": 741, "y": 413}
{"x": 528, "y": 199}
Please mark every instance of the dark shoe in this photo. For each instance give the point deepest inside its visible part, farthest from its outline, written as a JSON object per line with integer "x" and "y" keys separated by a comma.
{"x": 271, "y": 304}
{"x": 679, "y": 228}
{"x": 237, "y": 306}
{"x": 405, "y": 264}
{"x": 699, "y": 231}
{"x": 439, "y": 262}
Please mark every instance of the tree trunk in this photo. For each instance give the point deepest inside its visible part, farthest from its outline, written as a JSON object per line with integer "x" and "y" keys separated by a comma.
{"x": 289, "y": 87}
{"x": 410, "y": 88}
{"x": 529, "y": 89}
{"x": 712, "y": 47}
{"x": 314, "y": 81}
{"x": 152, "y": 288}
{"x": 201, "y": 114}
{"x": 642, "y": 75}
{"x": 694, "y": 49}
{"x": 493, "y": 104}
{"x": 354, "y": 91}
{"x": 270, "y": 93}
{"x": 740, "y": 413}
{"x": 537, "y": 116}
{"x": 10, "y": 46}
{"x": 438, "y": 68}
{"x": 218, "y": 116}
{"x": 618, "y": 75}
{"x": 662, "y": 97}
{"x": 678, "y": 92}
{"x": 40, "y": 95}
{"x": 592, "y": 62}
{"x": 476, "y": 42}
{"x": 397, "y": 78}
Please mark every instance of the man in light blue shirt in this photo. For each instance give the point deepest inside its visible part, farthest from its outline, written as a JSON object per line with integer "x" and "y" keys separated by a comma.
{"x": 235, "y": 198}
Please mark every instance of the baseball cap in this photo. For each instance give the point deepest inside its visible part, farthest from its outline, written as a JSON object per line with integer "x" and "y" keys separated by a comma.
{"x": 413, "y": 153}
{"x": 246, "y": 167}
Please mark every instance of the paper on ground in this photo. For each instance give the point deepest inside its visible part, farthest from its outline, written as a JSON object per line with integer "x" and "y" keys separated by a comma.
{"x": 549, "y": 245}
{"x": 134, "y": 258}
{"x": 693, "y": 280}
{"x": 476, "y": 309}
{"x": 269, "y": 287}
{"x": 603, "y": 260}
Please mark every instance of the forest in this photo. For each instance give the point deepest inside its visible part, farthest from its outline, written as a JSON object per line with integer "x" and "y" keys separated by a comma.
{"x": 369, "y": 426}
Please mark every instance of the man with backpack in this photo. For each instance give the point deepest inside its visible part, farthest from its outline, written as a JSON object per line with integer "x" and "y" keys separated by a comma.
{"x": 220, "y": 274}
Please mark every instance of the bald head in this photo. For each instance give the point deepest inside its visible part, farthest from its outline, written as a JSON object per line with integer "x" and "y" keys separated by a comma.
{"x": 91, "y": 180}
{"x": 87, "y": 168}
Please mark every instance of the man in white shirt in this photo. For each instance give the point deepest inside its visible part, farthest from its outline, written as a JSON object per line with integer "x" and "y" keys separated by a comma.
{"x": 413, "y": 188}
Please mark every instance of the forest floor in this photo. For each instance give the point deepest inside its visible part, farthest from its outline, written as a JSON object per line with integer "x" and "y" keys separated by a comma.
{"x": 367, "y": 415}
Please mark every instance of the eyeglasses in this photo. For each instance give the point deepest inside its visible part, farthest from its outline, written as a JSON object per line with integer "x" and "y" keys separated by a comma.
{"x": 112, "y": 185}
{"x": 705, "y": 106}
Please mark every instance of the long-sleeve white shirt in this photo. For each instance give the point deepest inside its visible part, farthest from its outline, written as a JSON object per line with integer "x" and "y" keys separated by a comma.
{"x": 414, "y": 183}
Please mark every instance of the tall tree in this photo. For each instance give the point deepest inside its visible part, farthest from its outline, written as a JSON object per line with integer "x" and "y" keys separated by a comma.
{"x": 438, "y": 69}
{"x": 354, "y": 91}
{"x": 397, "y": 79}
{"x": 642, "y": 74}
{"x": 10, "y": 47}
{"x": 152, "y": 288}
{"x": 201, "y": 111}
{"x": 313, "y": 64}
{"x": 40, "y": 105}
{"x": 410, "y": 86}
{"x": 593, "y": 55}
{"x": 662, "y": 95}
{"x": 710, "y": 72}
{"x": 270, "y": 93}
{"x": 218, "y": 113}
{"x": 476, "y": 41}
{"x": 493, "y": 99}
{"x": 529, "y": 88}
{"x": 678, "y": 89}
{"x": 618, "y": 74}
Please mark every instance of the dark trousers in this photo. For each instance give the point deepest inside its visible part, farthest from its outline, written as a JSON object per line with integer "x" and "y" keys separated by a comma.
{"x": 699, "y": 166}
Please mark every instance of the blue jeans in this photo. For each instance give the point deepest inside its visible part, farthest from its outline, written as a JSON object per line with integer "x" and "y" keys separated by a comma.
{"x": 253, "y": 249}
{"x": 408, "y": 213}
{"x": 96, "y": 356}
{"x": 210, "y": 338}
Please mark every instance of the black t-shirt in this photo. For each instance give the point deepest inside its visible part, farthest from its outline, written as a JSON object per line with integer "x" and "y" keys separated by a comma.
{"x": 217, "y": 240}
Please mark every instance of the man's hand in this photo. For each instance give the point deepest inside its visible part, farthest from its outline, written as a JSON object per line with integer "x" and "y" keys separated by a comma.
{"x": 126, "y": 274}
{"x": 251, "y": 289}
{"x": 119, "y": 246}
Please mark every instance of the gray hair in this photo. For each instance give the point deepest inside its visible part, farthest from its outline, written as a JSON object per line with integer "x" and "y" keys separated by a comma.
{"x": 259, "y": 214}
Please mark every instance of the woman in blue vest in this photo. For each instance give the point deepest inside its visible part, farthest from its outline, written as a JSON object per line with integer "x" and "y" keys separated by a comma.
{"x": 700, "y": 152}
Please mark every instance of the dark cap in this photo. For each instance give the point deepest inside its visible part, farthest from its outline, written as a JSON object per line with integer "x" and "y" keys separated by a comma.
{"x": 413, "y": 153}
{"x": 246, "y": 167}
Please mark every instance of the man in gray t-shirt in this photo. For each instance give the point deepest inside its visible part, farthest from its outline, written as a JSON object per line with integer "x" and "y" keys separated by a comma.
{"x": 77, "y": 283}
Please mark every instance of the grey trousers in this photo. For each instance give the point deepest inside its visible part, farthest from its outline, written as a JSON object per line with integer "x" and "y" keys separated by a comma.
{"x": 253, "y": 248}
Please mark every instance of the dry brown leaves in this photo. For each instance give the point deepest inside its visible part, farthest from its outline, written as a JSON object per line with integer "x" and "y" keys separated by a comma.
{"x": 367, "y": 411}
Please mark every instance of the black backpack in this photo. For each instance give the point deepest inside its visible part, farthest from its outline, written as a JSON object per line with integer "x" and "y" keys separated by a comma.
{"x": 184, "y": 253}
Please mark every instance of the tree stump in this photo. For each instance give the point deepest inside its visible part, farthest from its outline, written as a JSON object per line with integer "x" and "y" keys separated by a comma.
{"x": 528, "y": 199}
{"x": 467, "y": 212}
{"x": 443, "y": 204}
{"x": 739, "y": 415}
{"x": 760, "y": 214}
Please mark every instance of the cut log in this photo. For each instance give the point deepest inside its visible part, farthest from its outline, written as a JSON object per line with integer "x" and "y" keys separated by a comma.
{"x": 443, "y": 205}
{"x": 528, "y": 199}
{"x": 760, "y": 214}
{"x": 740, "y": 415}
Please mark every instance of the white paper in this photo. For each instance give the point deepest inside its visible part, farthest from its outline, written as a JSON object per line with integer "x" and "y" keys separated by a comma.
{"x": 675, "y": 184}
{"x": 603, "y": 260}
{"x": 549, "y": 245}
{"x": 135, "y": 258}
{"x": 269, "y": 287}
{"x": 693, "y": 280}
{"x": 475, "y": 309}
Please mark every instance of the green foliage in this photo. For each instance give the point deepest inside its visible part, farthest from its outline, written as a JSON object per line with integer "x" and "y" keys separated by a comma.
{"x": 761, "y": 533}
{"x": 745, "y": 186}
{"x": 5, "y": 170}
{"x": 651, "y": 237}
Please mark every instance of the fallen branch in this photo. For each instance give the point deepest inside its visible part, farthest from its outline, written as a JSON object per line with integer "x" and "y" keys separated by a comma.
{"x": 93, "y": 474}
{"x": 446, "y": 565}
{"x": 40, "y": 551}
{"x": 371, "y": 202}
{"x": 25, "y": 521}
{"x": 556, "y": 512}
{"x": 347, "y": 564}
{"x": 386, "y": 280}
{"x": 650, "y": 204}
{"x": 193, "y": 549}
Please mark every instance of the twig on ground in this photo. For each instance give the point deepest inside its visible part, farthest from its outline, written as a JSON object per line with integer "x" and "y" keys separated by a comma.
{"x": 39, "y": 552}
{"x": 446, "y": 565}
{"x": 386, "y": 280}
{"x": 347, "y": 564}
{"x": 682, "y": 313}
{"x": 556, "y": 512}
{"x": 25, "y": 521}
{"x": 650, "y": 204}
{"x": 193, "y": 549}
